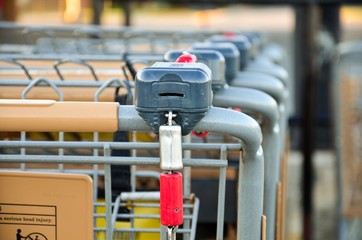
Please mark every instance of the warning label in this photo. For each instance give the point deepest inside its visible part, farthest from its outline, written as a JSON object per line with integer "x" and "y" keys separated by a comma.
{"x": 29, "y": 222}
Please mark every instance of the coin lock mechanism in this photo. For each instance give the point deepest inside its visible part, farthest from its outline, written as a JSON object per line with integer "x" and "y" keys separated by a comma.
{"x": 242, "y": 43}
{"x": 172, "y": 98}
{"x": 230, "y": 53}
{"x": 183, "y": 88}
{"x": 213, "y": 59}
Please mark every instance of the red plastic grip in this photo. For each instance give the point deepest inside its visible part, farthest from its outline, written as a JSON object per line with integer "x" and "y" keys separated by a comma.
{"x": 229, "y": 35}
{"x": 186, "y": 58}
{"x": 171, "y": 199}
{"x": 200, "y": 134}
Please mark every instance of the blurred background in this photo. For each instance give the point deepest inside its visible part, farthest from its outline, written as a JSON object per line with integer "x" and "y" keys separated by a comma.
{"x": 308, "y": 30}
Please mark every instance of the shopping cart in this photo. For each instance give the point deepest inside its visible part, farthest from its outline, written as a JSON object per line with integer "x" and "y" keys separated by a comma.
{"x": 83, "y": 56}
{"x": 255, "y": 103}
{"x": 98, "y": 40}
{"x": 251, "y": 177}
{"x": 129, "y": 118}
{"x": 347, "y": 99}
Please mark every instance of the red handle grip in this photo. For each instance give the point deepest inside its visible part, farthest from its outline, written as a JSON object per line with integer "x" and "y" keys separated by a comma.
{"x": 171, "y": 199}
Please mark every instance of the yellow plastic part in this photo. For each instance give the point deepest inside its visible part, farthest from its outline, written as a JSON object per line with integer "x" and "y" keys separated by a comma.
{"x": 138, "y": 223}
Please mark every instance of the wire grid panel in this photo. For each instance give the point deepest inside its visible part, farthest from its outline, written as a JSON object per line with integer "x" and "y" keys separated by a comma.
{"x": 350, "y": 129}
{"x": 99, "y": 40}
{"x": 142, "y": 222}
{"x": 107, "y": 204}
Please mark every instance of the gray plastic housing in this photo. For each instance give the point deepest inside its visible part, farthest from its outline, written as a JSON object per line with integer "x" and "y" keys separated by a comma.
{"x": 256, "y": 39}
{"x": 241, "y": 42}
{"x": 213, "y": 59}
{"x": 230, "y": 53}
{"x": 183, "y": 88}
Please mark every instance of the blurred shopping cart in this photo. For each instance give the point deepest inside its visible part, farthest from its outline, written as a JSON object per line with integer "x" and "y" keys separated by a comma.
{"x": 348, "y": 129}
{"x": 94, "y": 39}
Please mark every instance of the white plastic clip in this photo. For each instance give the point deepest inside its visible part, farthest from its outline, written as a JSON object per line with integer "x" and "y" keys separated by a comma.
{"x": 170, "y": 145}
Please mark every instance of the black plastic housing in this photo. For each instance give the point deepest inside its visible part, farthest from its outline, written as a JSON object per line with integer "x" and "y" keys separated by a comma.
{"x": 183, "y": 88}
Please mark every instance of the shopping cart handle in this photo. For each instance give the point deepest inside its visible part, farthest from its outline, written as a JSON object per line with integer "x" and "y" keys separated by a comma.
{"x": 52, "y": 116}
{"x": 251, "y": 176}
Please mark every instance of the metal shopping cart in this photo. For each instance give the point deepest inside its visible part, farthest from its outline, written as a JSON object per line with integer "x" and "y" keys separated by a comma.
{"x": 93, "y": 39}
{"x": 83, "y": 57}
{"x": 347, "y": 97}
{"x": 257, "y": 104}
{"x": 216, "y": 120}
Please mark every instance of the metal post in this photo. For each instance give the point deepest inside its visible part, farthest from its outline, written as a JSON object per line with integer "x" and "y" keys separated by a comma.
{"x": 330, "y": 24}
{"x": 97, "y": 6}
{"x": 307, "y": 76}
{"x": 127, "y": 13}
{"x": 330, "y": 21}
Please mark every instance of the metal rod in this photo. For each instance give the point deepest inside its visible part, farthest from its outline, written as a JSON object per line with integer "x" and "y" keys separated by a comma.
{"x": 212, "y": 163}
{"x": 221, "y": 196}
{"x": 113, "y": 145}
{"x": 171, "y": 233}
{"x": 307, "y": 25}
{"x": 85, "y": 57}
{"x": 194, "y": 219}
{"x": 108, "y": 194}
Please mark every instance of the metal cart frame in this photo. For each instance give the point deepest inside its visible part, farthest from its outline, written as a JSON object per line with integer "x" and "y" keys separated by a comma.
{"x": 250, "y": 194}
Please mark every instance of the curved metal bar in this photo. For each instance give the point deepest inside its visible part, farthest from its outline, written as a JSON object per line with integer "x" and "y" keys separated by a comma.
{"x": 261, "y": 103}
{"x": 112, "y": 82}
{"x": 251, "y": 174}
{"x": 78, "y": 61}
{"x": 46, "y": 81}
{"x": 261, "y": 81}
{"x": 270, "y": 85}
{"x": 22, "y": 66}
{"x": 267, "y": 67}
{"x": 214, "y": 121}
{"x": 274, "y": 52}
{"x": 251, "y": 99}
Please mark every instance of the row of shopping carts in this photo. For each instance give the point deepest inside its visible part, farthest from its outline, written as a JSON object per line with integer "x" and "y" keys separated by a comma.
{"x": 99, "y": 123}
